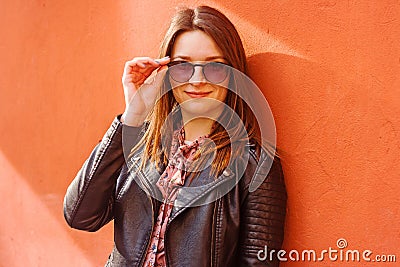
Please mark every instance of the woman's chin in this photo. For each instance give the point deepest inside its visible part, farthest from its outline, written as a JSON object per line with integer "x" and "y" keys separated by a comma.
{"x": 201, "y": 108}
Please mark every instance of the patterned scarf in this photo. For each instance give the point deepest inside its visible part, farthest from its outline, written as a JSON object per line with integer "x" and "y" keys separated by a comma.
{"x": 169, "y": 183}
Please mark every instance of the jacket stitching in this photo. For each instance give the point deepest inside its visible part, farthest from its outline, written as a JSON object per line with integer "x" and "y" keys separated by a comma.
{"x": 218, "y": 232}
{"x": 213, "y": 236}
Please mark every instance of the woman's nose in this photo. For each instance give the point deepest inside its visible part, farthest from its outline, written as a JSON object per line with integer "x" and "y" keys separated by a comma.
{"x": 198, "y": 76}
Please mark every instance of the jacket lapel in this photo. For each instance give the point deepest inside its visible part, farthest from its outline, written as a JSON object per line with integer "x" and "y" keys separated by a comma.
{"x": 208, "y": 190}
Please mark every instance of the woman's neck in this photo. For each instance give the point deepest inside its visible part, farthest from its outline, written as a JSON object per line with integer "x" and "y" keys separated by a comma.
{"x": 197, "y": 127}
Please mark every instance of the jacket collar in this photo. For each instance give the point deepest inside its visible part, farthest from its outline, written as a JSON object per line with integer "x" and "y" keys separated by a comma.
{"x": 189, "y": 196}
{"x": 209, "y": 190}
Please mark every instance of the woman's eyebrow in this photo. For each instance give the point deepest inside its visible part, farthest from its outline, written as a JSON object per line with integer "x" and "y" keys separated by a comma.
{"x": 188, "y": 58}
{"x": 215, "y": 57}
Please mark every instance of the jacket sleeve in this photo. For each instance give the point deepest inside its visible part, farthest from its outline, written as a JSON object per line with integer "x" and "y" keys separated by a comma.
{"x": 262, "y": 219}
{"x": 89, "y": 200}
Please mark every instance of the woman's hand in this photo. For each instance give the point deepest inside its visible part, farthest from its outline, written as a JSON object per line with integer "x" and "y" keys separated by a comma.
{"x": 140, "y": 97}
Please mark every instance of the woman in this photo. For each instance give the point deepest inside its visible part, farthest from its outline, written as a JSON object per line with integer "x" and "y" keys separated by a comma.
{"x": 178, "y": 195}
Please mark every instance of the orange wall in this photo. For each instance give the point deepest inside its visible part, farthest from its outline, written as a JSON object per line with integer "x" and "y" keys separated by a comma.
{"x": 329, "y": 69}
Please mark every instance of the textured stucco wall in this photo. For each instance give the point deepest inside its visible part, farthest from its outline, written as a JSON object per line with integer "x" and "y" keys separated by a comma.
{"x": 330, "y": 71}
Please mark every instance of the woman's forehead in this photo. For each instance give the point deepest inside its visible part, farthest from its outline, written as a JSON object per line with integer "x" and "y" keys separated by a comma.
{"x": 195, "y": 45}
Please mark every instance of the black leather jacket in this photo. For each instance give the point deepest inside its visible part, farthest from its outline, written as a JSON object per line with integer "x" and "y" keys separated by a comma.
{"x": 227, "y": 232}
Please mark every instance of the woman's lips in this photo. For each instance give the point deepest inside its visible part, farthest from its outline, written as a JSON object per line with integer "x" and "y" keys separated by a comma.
{"x": 197, "y": 94}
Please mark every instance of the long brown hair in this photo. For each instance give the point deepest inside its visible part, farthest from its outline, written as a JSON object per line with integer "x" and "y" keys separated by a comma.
{"x": 225, "y": 35}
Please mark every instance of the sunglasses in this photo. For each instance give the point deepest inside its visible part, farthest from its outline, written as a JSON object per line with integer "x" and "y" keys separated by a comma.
{"x": 182, "y": 71}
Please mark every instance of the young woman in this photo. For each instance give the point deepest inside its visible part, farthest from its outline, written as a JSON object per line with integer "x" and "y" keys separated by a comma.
{"x": 172, "y": 170}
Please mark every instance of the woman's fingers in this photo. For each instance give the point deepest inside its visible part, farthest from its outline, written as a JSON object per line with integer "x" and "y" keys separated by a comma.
{"x": 141, "y": 86}
{"x": 159, "y": 63}
{"x": 138, "y": 69}
{"x": 144, "y": 62}
{"x": 163, "y": 61}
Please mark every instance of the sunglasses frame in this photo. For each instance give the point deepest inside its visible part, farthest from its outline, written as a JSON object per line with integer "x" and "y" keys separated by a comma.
{"x": 202, "y": 65}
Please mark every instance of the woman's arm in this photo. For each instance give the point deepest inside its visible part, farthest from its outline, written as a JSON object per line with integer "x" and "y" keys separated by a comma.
{"x": 88, "y": 203}
{"x": 262, "y": 219}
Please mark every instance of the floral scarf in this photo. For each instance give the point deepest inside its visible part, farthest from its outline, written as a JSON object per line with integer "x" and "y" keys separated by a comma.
{"x": 169, "y": 183}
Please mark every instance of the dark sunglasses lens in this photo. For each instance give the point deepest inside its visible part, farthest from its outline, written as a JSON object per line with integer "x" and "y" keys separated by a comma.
{"x": 181, "y": 72}
{"x": 215, "y": 72}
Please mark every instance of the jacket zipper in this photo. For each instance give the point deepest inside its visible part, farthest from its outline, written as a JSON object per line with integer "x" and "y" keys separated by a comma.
{"x": 213, "y": 235}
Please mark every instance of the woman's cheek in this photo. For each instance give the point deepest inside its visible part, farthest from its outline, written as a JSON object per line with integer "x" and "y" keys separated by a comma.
{"x": 178, "y": 94}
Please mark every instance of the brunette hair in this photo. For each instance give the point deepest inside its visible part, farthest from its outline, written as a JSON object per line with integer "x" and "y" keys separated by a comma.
{"x": 223, "y": 32}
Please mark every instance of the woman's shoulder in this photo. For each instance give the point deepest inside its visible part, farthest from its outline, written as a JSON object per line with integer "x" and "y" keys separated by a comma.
{"x": 263, "y": 166}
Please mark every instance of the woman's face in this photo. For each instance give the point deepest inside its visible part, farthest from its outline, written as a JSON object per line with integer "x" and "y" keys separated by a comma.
{"x": 198, "y": 94}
